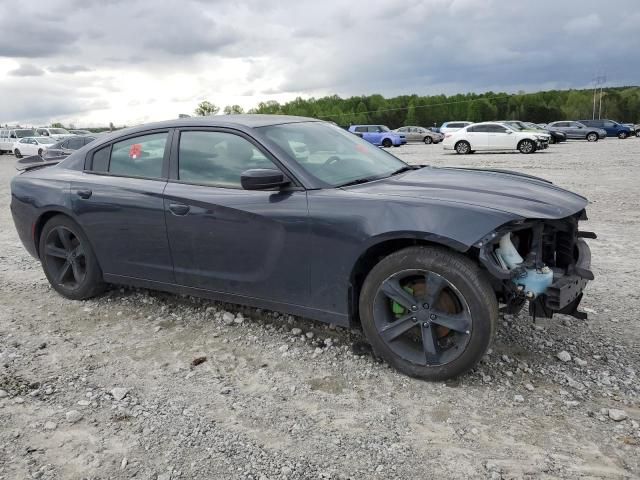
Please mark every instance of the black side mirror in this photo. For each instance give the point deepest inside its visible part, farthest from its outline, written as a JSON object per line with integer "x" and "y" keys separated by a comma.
{"x": 263, "y": 179}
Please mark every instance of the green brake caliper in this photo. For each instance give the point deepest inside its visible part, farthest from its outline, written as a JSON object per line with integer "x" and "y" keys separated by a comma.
{"x": 397, "y": 309}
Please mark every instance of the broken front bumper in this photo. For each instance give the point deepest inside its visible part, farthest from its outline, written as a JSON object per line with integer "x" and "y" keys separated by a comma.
{"x": 565, "y": 293}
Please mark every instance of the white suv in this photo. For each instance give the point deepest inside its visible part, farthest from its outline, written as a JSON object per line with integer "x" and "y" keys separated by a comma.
{"x": 494, "y": 136}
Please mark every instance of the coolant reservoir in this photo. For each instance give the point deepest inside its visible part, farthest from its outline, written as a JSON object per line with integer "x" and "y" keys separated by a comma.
{"x": 508, "y": 252}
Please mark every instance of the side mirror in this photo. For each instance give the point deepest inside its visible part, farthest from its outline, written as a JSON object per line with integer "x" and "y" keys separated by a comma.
{"x": 509, "y": 132}
{"x": 263, "y": 179}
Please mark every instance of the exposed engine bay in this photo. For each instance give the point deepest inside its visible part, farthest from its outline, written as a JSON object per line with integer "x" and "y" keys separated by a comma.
{"x": 546, "y": 262}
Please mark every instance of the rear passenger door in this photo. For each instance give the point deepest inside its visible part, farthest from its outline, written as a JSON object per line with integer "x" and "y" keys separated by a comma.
{"x": 478, "y": 137}
{"x": 118, "y": 202}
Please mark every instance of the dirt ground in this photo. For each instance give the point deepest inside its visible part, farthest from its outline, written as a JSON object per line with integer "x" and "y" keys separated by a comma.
{"x": 108, "y": 389}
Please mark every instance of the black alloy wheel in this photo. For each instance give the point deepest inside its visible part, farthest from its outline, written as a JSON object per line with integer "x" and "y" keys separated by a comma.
{"x": 68, "y": 260}
{"x": 428, "y": 312}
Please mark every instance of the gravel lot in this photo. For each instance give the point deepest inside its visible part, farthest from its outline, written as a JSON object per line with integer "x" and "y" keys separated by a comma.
{"x": 113, "y": 388}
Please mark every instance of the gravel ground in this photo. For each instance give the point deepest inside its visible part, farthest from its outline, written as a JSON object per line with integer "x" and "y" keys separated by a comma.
{"x": 155, "y": 386}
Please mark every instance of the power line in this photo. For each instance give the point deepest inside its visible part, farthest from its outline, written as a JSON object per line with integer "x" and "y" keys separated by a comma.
{"x": 496, "y": 97}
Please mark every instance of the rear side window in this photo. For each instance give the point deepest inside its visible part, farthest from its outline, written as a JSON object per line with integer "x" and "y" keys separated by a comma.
{"x": 455, "y": 125}
{"x": 139, "y": 156}
{"x": 100, "y": 160}
{"x": 361, "y": 129}
{"x": 217, "y": 158}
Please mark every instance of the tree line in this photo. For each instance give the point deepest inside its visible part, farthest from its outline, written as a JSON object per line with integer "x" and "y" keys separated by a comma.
{"x": 620, "y": 103}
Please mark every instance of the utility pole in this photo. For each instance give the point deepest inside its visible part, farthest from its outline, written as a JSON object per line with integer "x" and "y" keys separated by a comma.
{"x": 604, "y": 79}
{"x": 597, "y": 82}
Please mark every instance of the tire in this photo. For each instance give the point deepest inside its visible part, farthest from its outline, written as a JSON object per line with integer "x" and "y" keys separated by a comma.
{"x": 526, "y": 146}
{"x": 17, "y": 153}
{"x": 463, "y": 147}
{"x": 592, "y": 137}
{"x": 422, "y": 347}
{"x": 68, "y": 260}
{"x": 622, "y": 135}
{"x": 386, "y": 143}
{"x": 638, "y": 133}
{"x": 552, "y": 140}
{"x": 40, "y": 152}
{"x": 428, "y": 140}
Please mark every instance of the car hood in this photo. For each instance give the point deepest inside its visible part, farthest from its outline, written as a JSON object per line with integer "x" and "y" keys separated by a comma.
{"x": 522, "y": 195}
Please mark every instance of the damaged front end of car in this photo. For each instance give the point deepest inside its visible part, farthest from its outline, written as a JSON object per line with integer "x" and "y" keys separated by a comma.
{"x": 546, "y": 262}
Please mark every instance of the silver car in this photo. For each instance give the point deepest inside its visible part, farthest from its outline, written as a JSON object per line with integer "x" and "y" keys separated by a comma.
{"x": 577, "y": 131}
{"x": 420, "y": 134}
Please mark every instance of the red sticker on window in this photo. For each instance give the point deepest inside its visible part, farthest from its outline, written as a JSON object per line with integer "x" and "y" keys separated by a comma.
{"x": 135, "y": 151}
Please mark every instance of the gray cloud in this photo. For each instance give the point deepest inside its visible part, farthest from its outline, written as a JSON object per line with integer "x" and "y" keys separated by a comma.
{"x": 27, "y": 70}
{"x": 69, "y": 69}
{"x": 289, "y": 48}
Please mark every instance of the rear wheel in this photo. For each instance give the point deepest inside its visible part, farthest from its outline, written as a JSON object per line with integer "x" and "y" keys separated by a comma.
{"x": 428, "y": 140}
{"x": 387, "y": 143}
{"x": 592, "y": 137}
{"x": 526, "y": 146}
{"x": 17, "y": 153}
{"x": 40, "y": 151}
{"x": 68, "y": 260}
{"x": 622, "y": 135}
{"x": 428, "y": 312}
{"x": 463, "y": 147}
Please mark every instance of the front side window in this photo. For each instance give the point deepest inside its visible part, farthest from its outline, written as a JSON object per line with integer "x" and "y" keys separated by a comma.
{"x": 499, "y": 129}
{"x": 332, "y": 155}
{"x": 219, "y": 158}
{"x": 139, "y": 156}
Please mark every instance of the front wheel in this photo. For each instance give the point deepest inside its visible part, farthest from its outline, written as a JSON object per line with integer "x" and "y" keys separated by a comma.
{"x": 592, "y": 137}
{"x": 17, "y": 153}
{"x": 68, "y": 260}
{"x": 40, "y": 152}
{"x": 552, "y": 140}
{"x": 428, "y": 140}
{"x": 387, "y": 143}
{"x": 526, "y": 146}
{"x": 428, "y": 312}
{"x": 622, "y": 135}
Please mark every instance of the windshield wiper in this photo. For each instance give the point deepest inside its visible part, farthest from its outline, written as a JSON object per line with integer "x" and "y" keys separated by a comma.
{"x": 358, "y": 181}
{"x": 402, "y": 170}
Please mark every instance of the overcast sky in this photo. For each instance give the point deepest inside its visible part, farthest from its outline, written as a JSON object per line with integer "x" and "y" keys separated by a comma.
{"x": 91, "y": 62}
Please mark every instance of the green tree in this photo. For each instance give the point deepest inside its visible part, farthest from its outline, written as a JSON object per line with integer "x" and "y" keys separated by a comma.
{"x": 233, "y": 110}
{"x": 57, "y": 125}
{"x": 410, "y": 119}
{"x": 206, "y": 108}
{"x": 481, "y": 110}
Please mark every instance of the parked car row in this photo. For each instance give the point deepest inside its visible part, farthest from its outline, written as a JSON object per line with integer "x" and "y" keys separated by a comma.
{"x": 45, "y": 141}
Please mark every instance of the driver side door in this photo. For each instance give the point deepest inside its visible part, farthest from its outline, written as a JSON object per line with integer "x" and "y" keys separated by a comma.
{"x": 248, "y": 243}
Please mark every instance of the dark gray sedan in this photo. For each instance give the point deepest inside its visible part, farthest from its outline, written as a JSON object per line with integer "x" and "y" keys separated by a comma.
{"x": 577, "y": 131}
{"x": 222, "y": 207}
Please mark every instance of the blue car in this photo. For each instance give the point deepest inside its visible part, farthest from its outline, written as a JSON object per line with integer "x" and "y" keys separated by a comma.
{"x": 613, "y": 129}
{"x": 379, "y": 135}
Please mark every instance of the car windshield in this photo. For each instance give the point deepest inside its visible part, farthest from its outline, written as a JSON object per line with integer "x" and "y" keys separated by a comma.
{"x": 331, "y": 154}
{"x": 515, "y": 126}
{"x": 58, "y": 131}
{"x": 25, "y": 133}
{"x": 45, "y": 140}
